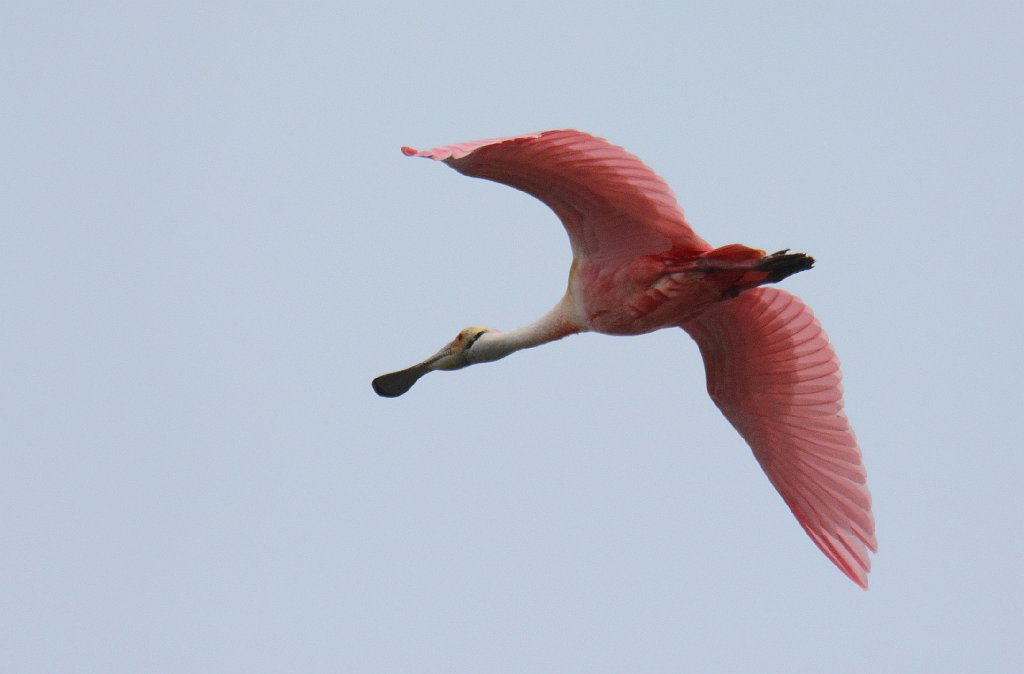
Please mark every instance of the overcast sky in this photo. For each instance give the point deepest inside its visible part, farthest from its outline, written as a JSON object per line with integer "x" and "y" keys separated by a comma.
{"x": 210, "y": 244}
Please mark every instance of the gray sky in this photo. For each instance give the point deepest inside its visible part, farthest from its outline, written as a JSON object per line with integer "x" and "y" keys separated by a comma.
{"x": 210, "y": 243}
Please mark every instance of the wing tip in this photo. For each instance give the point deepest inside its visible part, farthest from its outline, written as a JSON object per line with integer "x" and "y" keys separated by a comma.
{"x": 860, "y": 575}
{"x": 437, "y": 153}
{"x": 460, "y": 150}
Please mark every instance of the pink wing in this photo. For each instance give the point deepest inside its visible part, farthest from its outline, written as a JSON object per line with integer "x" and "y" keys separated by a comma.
{"x": 773, "y": 373}
{"x": 612, "y": 205}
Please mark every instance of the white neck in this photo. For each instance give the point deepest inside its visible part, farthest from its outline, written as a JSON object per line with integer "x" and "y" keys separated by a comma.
{"x": 552, "y": 326}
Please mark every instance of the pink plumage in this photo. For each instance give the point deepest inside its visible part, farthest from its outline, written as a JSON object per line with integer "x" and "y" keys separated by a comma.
{"x": 774, "y": 375}
{"x": 611, "y": 203}
{"x": 638, "y": 266}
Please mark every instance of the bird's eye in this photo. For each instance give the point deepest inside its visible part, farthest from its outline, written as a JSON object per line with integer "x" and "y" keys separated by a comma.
{"x": 475, "y": 337}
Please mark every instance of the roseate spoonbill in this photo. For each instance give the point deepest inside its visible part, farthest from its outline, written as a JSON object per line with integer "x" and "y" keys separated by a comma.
{"x": 637, "y": 267}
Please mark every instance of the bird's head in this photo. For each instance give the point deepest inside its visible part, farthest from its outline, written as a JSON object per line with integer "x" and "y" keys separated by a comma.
{"x": 456, "y": 355}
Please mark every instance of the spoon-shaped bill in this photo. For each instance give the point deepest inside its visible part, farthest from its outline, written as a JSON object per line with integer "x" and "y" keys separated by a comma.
{"x": 395, "y": 384}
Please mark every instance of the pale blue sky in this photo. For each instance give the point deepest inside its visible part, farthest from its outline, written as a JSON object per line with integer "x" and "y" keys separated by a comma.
{"x": 210, "y": 243}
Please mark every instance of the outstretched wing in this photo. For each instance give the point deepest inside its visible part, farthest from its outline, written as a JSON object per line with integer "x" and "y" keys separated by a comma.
{"x": 773, "y": 373}
{"x": 612, "y": 205}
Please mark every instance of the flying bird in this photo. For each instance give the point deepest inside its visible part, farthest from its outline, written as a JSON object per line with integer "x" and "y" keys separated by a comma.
{"x": 638, "y": 266}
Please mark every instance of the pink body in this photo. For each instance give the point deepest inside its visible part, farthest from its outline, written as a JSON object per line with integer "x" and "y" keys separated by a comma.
{"x": 638, "y": 267}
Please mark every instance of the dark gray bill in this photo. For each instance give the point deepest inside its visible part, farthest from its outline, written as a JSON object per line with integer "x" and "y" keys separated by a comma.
{"x": 395, "y": 384}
